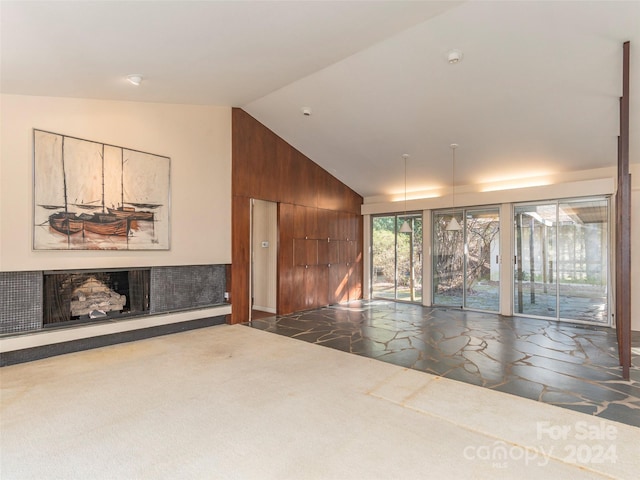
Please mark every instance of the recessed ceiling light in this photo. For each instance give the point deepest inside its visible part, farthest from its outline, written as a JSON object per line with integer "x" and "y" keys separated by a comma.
{"x": 454, "y": 56}
{"x": 135, "y": 79}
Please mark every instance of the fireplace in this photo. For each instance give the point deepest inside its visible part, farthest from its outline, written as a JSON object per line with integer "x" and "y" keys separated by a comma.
{"x": 89, "y": 295}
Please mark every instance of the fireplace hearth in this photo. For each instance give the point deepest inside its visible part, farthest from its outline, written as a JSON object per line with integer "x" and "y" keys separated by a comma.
{"x": 88, "y": 295}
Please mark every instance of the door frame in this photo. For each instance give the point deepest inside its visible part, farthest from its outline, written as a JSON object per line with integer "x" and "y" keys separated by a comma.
{"x": 462, "y": 212}
{"x": 273, "y": 245}
{"x": 396, "y": 215}
{"x": 609, "y": 257}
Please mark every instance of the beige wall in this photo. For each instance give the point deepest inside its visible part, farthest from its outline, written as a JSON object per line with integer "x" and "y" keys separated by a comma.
{"x": 196, "y": 138}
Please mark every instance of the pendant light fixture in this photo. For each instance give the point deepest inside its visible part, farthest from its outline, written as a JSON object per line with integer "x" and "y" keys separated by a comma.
{"x": 453, "y": 225}
{"x": 405, "y": 228}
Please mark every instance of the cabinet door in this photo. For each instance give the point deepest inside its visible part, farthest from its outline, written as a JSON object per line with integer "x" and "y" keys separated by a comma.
{"x": 334, "y": 251}
{"x": 299, "y": 221}
{"x": 323, "y": 219}
{"x": 305, "y": 252}
{"x": 311, "y": 222}
{"x": 355, "y": 281}
{"x": 321, "y": 286}
{"x": 339, "y": 283}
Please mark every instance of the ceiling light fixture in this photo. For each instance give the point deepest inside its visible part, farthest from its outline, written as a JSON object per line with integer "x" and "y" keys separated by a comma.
{"x": 453, "y": 225}
{"x": 135, "y": 79}
{"x": 405, "y": 228}
{"x": 454, "y": 56}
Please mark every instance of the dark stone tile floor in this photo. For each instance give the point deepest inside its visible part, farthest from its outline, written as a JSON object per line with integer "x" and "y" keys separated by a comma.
{"x": 568, "y": 365}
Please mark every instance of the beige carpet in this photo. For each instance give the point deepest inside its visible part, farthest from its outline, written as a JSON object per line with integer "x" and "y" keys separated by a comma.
{"x": 238, "y": 403}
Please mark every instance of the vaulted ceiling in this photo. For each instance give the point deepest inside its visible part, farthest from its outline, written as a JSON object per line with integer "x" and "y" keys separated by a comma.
{"x": 536, "y": 92}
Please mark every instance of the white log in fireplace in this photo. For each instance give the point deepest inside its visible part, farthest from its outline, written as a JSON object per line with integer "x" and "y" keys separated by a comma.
{"x": 85, "y": 295}
{"x": 94, "y": 298}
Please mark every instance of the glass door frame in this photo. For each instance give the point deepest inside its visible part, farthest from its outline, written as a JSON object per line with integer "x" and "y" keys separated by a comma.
{"x": 462, "y": 213}
{"x": 610, "y": 274}
{"x": 397, "y": 216}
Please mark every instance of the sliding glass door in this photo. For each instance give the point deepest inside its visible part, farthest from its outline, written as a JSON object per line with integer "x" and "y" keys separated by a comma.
{"x": 448, "y": 260}
{"x": 536, "y": 288}
{"x": 396, "y": 261}
{"x": 561, "y": 256}
{"x": 466, "y": 267}
{"x": 482, "y": 259}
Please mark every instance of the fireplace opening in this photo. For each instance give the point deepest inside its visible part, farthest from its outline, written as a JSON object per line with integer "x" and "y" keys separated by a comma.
{"x": 81, "y": 296}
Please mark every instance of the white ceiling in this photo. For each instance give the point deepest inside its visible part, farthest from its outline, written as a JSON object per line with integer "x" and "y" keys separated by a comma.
{"x": 536, "y": 92}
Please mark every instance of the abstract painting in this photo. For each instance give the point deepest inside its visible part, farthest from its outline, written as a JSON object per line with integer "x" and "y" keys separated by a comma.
{"x": 95, "y": 196}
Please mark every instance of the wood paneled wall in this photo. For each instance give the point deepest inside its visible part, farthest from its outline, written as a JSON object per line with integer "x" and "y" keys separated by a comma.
{"x": 320, "y": 225}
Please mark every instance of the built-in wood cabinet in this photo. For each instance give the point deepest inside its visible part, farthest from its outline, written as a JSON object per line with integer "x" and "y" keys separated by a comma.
{"x": 319, "y": 222}
{"x": 322, "y": 248}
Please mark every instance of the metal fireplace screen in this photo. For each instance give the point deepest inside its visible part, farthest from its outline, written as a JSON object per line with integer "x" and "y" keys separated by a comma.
{"x": 70, "y": 296}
